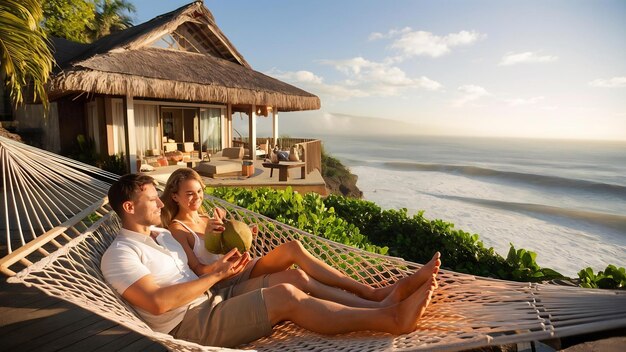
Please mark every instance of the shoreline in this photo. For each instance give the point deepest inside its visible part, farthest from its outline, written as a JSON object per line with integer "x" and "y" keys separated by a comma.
{"x": 566, "y": 247}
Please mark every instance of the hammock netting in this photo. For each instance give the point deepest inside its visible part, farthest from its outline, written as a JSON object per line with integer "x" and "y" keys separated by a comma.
{"x": 466, "y": 311}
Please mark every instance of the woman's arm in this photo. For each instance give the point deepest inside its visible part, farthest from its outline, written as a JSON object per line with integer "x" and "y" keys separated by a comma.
{"x": 186, "y": 239}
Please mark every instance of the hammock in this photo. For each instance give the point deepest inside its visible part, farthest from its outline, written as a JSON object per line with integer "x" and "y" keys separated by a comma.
{"x": 466, "y": 311}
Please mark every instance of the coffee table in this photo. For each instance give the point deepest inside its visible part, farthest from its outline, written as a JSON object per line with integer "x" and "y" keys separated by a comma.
{"x": 283, "y": 169}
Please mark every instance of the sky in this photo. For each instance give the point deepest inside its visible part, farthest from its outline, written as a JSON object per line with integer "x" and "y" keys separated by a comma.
{"x": 529, "y": 69}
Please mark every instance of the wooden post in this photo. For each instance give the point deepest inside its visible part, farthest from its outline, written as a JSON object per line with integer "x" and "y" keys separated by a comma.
{"x": 131, "y": 135}
{"x": 229, "y": 127}
{"x": 108, "y": 115}
{"x": 275, "y": 125}
{"x": 252, "y": 132}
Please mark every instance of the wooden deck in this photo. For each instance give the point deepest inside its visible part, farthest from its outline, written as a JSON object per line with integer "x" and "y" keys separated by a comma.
{"x": 314, "y": 182}
{"x": 33, "y": 321}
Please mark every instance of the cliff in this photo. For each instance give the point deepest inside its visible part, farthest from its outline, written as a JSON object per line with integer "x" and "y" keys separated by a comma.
{"x": 338, "y": 178}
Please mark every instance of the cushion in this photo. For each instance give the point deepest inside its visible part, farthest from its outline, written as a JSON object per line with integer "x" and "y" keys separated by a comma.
{"x": 170, "y": 147}
{"x": 188, "y": 147}
{"x": 218, "y": 167}
{"x": 233, "y": 153}
{"x": 283, "y": 156}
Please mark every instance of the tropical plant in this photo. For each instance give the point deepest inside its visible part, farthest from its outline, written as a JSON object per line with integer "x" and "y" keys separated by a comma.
{"x": 69, "y": 19}
{"x": 24, "y": 54}
{"x": 110, "y": 17}
{"x": 612, "y": 277}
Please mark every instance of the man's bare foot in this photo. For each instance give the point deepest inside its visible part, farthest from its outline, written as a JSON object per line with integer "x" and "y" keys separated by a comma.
{"x": 409, "y": 311}
{"x": 407, "y": 285}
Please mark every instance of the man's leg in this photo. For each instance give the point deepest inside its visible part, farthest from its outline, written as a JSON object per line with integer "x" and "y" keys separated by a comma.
{"x": 307, "y": 284}
{"x": 285, "y": 255}
{"x": 286, "y": 302}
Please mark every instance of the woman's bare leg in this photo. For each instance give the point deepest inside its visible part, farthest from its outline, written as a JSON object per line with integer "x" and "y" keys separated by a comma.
{"x": 285, "y": 255}
{"x": 286, "y": 302}
{"x": 307, "y": 284}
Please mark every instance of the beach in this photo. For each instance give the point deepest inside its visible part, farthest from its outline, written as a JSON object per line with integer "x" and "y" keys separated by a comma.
{"x": 564, "y": 200}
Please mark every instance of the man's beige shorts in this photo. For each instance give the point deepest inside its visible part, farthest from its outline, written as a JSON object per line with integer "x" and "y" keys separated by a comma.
{"x": 225, "y": 320}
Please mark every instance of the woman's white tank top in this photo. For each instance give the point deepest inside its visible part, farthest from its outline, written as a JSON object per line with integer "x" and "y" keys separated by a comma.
{"x": 205, "y": 257}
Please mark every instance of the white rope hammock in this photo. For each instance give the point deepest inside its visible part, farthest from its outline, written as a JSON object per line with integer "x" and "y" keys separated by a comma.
{"x": 466, "y": 311}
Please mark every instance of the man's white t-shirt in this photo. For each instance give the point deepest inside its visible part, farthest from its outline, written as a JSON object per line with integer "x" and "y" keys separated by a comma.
{"x": 132, "y": 256}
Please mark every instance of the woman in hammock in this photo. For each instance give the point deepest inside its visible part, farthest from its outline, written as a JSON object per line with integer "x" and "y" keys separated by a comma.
{"x": 184, "y": 216}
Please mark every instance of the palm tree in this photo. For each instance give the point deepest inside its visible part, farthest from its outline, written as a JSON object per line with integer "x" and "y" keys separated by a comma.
{"x": 24, "y": 53}
{"x": 110, "y": 17}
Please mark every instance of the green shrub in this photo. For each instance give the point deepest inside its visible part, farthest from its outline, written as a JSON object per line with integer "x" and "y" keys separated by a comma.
{"x": 363, "y": 224}
{"x": 612, "y": 278}
{"x": 416, "y": 238}
{"x": 306, "y": 212}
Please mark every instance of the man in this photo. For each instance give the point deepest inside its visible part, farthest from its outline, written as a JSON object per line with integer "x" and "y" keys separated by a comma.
{"x": 148, "y": 267}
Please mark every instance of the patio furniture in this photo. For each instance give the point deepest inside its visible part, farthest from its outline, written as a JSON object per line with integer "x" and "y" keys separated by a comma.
{"x": 283, "y": 169}
{"x": 263, "y": 150}
{"x": 225, "y": 163}
{"x": 218, "y": 168}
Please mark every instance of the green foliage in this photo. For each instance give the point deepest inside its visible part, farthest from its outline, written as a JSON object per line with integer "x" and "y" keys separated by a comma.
{"x": 112, "y": 16}
{"x": 525, "y": 268}
{"x": 24, "y": 54}
{"x": 69, "y": 19}
{"x": 306, "y": 212}
{"x": 91, "y": 218}
{"x": 416, "y": 238}
{"x": 332, "y": 167}
{"x": 611, "y": 278}
{"x": 365, "y": 225}
{"x": 85, "y": 151}
{"x": 113, "y": 163}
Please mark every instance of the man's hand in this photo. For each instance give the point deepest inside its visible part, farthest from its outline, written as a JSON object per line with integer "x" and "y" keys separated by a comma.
{"x": 232, "y": 263}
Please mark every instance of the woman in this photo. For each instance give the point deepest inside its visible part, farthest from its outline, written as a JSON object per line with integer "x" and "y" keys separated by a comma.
{"x": 183, "y": 215}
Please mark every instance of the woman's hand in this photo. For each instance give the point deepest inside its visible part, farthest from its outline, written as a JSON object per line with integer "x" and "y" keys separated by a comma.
{"x": 254, "y": 229}
{"x": 219, "y": 213}
{"x": 216, "y": 223}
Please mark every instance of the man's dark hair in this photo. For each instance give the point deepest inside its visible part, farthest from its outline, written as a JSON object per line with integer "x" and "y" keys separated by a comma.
{"x": 125, "y": 188}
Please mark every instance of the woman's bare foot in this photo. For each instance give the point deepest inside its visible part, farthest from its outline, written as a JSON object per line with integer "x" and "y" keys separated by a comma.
{"x": 407, "y": 285}
{"x": 409, "y": 311}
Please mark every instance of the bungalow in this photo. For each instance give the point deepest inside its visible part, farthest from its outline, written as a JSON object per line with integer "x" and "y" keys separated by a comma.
{"x": 172, "y": 82}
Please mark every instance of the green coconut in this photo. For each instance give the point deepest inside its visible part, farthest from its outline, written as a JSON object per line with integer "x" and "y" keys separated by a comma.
{"x": 236, "y": 234}
{"x": 213, "y": 242}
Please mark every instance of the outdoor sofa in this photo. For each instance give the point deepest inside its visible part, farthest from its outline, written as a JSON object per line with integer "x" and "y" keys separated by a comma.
{"x": 225, "y": 163}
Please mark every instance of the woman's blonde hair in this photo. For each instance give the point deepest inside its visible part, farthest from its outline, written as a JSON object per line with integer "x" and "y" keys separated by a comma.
{"x": 170, "y": 208}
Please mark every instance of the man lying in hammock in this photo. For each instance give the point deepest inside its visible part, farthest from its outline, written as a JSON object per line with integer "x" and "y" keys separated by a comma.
{"x": 148, "y": 267}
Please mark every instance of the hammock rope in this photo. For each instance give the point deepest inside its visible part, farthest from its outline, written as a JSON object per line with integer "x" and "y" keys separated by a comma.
{"x": 466, "y": 311}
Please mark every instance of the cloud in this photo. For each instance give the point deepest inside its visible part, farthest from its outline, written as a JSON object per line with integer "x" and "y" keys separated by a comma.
{"x": 379, "y": 78}
{"x": 420, "y": 43}
{"x": 316, "y": 83}
{"x": 522, "y": 101}
{"x": 615, "y": 82}
{"x": 527, "y": 57}
{"x": 392, "y": 33}
{"x": 362, "y": 78}
{"x": 298, "y": 76}
{"x": 470, "y": 93}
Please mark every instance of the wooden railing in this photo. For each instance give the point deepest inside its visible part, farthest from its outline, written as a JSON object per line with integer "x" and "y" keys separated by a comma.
{"x": 312, "y": 154}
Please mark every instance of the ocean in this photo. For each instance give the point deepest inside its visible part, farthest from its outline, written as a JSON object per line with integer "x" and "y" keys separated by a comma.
{"x": 564, "y": 200}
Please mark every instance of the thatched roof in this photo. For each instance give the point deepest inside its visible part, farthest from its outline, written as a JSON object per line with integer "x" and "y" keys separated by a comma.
{"x": 127, "y": 62}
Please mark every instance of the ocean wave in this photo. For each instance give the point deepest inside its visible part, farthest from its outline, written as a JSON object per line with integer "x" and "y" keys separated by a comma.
{"x": 532, "y": 179}
{"x": 612, "y": 221}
